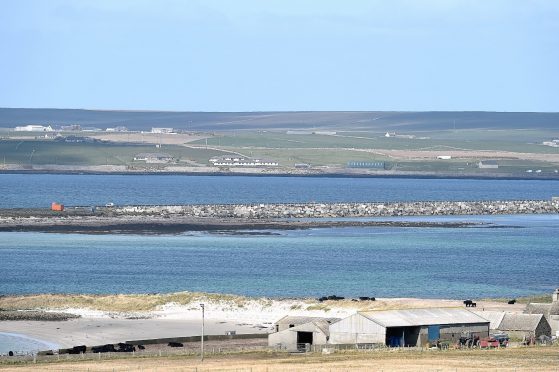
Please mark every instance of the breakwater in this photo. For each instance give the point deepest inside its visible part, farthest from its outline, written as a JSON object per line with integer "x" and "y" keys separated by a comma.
{"x": 331, "y": 210}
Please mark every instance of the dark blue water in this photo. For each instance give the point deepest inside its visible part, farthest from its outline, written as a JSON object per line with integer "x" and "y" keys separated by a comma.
{"x": 39, "y": 190}
{"x": 519, "y": 258}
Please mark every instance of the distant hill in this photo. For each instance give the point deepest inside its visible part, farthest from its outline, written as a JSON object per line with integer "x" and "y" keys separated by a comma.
{"x": 331, "y": 120}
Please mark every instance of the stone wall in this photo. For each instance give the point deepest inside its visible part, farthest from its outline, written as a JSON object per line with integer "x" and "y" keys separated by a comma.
{"x": 321, "y": 210}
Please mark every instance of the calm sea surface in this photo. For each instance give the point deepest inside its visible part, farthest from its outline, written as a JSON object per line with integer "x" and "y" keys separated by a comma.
{"x": 22, "y": 344}
{"x": 518, "y": 257}
{"x": 39, "y": 190}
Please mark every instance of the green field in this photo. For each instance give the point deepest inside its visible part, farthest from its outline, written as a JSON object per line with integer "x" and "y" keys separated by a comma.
{"x": 315, "y": 149}
{"x": 61, "y": 153}
{"x": 281, "y": 140}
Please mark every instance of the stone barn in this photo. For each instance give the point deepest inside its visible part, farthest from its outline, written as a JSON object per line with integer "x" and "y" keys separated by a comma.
{"x": 549, "y": 310}
{"x": 517, "y": 325}
{"x": 412, "y": 327}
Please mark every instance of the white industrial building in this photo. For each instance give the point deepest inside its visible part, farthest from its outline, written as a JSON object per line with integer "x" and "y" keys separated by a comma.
{"x": 411, "y": 327}
{"x": 34, "y": 128}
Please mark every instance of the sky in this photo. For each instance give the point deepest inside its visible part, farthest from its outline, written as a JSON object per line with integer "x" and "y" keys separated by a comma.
{"x": 280, "y": 55}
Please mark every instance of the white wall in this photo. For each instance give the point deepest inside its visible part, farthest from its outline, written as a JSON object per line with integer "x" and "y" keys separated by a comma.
{"x": 357, "y": 329}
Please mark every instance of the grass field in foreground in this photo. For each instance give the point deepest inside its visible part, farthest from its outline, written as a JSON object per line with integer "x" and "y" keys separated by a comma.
{"x": 511, "y": 359}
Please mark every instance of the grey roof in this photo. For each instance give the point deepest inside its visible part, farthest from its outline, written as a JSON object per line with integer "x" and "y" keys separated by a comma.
{"x": 520, "y": 322}
{"x": 298, "y": 320}
{"x": 153, "y": 155}
{"x": 495, "y": 317}
{"x": 418, "y": 317}
{"x": 538, "y": 308}
{"x": 321, "y": 325}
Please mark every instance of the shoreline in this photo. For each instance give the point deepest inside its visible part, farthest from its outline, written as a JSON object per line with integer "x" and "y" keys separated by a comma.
{"x": 267, "y": 173}
{"x": 177, "y": 225}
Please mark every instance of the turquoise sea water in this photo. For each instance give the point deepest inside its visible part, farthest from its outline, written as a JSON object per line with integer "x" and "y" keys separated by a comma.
{"x": 21, "y": 344}
{"x": 517, "y": 256}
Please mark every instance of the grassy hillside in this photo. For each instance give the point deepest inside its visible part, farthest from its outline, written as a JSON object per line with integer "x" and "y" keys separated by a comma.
{"x": 53, "y": 152}
{"x": 219, "y": 121}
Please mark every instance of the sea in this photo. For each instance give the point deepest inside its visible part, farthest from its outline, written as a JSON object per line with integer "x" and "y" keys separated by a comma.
{"x": 498, "y": 256}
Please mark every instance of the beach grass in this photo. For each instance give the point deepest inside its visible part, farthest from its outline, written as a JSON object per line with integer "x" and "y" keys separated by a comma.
{"x": 117, "y": 302}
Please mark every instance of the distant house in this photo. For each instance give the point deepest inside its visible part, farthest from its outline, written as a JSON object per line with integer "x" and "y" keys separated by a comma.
{"x": 162, "y": 130}
{"x": 71, "y": 128}
{"x": 488, "y": 164}
{"x": 119, "y": 128}
{"x": 240, "y": 161}
{"x": 153, "y": 158}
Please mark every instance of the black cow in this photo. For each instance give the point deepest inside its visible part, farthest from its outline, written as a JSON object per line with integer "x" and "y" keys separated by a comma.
{"x": 125, "y": 348}
{"x": 175, "y": 344}
{"x": 512, "y": 302}
{"x": 108, "y": 348}
{"x": 77, "y": 350}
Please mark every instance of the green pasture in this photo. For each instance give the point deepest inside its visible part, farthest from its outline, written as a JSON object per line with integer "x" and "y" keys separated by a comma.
{"x": 54, "y": 152}
{"x": 346, "y": 140}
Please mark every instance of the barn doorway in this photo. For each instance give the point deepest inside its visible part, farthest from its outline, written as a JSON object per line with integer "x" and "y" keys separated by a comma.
{"x": 304, "y": 338}
{"x": 402, "y": 336}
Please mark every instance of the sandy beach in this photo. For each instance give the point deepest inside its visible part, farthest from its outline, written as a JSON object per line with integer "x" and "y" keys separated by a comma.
{"x": 242, "y": 315}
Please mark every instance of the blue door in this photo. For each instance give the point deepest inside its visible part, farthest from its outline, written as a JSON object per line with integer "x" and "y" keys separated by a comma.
{"x": 434, "y": 332}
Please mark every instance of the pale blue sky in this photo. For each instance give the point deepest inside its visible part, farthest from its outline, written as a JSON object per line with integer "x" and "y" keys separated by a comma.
{"x": 242, "y": 55}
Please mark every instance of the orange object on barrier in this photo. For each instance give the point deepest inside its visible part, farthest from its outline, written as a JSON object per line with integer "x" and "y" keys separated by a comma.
{"x": 57, "y": 207}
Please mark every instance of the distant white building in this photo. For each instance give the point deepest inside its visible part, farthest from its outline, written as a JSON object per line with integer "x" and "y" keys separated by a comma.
{"x": 117, "y": 129}
{"x": 34, "y": 128}
{"x": 162, "y": 130}
{"x": 154, "y": 158}
{"x": 488, "y": 164}
{"x": 239, "y": 161}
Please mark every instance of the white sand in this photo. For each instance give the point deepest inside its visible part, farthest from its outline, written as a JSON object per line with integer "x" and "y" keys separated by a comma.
{"x": 173, "y": 320}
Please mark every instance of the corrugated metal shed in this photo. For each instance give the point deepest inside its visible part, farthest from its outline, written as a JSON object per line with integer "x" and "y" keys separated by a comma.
{"x": 297, "y": 320}
{"x": 419, "y": 317}
{"x": 495, "y": 317}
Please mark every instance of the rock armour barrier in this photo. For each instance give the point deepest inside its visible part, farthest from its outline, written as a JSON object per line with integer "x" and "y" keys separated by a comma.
{"x": 322, "y": 210}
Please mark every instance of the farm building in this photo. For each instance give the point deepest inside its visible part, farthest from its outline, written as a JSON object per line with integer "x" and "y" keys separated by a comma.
{"x": 296, "y": 333}
{"x": 153, "y": 157}
{"x": 366, "y": 164}
{"x": 549, "y": 310}
{"x": 33, "y": 128}
{"x": 488, "y": 164}
{"x": 236, "y": 161}
{"x": 292, "y": 321}
{"x": 517, "y": 325}
{"x": 412, "y": 327}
